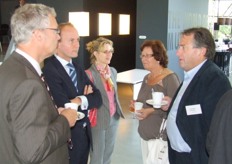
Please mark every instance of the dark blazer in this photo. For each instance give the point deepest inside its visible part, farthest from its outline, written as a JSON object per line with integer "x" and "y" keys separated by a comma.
{"x": 32, "y": 131}
{"x": 63, "y": 90}
{"x": 219, "y": 139}
{"x": 206, "y": 88}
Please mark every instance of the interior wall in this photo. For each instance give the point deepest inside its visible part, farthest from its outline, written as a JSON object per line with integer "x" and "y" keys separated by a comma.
{"x": 152, "y": 20}
{"x": 63, "y": 7}
{"x": 159, "y": 19}
{"x": 124, "y": 45}
{"x": 163, "y": 20}
{"x": 7, "y": 7}
{"x": 192, "y": 14}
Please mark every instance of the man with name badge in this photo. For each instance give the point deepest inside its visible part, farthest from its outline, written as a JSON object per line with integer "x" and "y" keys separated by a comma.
{"x": 191, "y": 109}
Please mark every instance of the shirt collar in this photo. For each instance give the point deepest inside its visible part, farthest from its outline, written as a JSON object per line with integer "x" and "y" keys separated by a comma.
{"x": 62, "y": 61}
{"x": 31, "y": 60}
{"x": 191, "y": 73}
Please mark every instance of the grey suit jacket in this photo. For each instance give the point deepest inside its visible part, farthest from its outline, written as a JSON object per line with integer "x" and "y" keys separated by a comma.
{"x": 103, "y": 113}
{"x": 32, "y": 131}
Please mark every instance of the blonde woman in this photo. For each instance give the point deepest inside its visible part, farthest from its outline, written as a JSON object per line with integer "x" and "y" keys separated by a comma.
{"x": 108, "y": 114}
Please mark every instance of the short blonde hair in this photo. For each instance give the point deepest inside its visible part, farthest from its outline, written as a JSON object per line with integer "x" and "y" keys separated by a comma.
{"x": 97, "y": 45}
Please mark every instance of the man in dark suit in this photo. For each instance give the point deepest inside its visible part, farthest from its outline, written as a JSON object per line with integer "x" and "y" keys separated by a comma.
{"x": 32, "y": 130}
{"x": 83, "y": 92}
{"x": 192, "y": 107}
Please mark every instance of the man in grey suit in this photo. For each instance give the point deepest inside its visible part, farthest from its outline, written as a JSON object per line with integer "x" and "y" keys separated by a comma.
{"x": 32, "y": 129}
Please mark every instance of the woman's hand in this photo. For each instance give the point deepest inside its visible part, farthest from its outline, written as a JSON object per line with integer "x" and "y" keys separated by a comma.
{"x": 168, "y": 99}
{"x": 131, "y": 106}
{"x": 143, "y": 113}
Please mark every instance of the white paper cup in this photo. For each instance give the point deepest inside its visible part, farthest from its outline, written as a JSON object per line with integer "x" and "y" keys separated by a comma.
{"x": 157, "y": 98}
{"x": 138, "y": 105}
{"x": 71, "y": 105}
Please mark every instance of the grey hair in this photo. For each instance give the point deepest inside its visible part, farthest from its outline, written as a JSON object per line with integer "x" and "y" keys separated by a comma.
{"x": 28, "y": 18}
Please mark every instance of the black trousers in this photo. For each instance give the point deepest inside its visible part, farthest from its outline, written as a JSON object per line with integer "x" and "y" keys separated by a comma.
{"x": 81, "y": 139}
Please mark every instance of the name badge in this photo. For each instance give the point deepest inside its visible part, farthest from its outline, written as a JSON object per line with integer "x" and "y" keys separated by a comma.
{"x": 193, "y": 109}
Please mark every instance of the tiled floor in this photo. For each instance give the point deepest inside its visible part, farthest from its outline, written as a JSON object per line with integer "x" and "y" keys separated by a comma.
{"x": 127, "y": 148}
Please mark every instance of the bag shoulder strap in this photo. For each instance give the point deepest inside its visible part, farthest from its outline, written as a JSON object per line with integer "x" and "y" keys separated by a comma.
{"x": 162, "y": 128}
{"x": 89, "y": 73}
{"x": 163, "y": 125}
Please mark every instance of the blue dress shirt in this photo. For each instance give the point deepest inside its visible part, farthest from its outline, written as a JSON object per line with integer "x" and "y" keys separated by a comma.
{"x": 176, "y": 140}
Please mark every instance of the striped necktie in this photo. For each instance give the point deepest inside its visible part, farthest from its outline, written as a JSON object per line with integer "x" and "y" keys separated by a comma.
{"x": 72, "y": 74}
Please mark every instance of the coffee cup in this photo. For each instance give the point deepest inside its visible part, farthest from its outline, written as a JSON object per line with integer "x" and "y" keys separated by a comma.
{"x": 157, "y": 98}
{"x": 71, "y": 105}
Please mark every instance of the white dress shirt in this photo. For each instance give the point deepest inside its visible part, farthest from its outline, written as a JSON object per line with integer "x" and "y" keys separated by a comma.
{"x": 33, "y": 62}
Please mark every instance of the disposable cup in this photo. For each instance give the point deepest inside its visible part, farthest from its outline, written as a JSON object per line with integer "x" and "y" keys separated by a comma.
{"x": 138, "y": 105}
{"x": 71, "y": 105}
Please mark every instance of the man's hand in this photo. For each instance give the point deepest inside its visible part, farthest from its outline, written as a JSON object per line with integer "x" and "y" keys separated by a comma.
{"x": 60, "y": 110}
{"x": 88, "y": 89}
{"x": 70, "y": 115}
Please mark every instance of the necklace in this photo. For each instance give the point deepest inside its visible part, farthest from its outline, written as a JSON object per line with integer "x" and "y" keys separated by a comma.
{"x": 153, "y": 79}
{"x": 152, "y": 76}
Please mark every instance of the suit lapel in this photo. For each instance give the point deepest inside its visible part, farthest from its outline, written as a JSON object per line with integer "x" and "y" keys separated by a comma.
{"x": 25, "y": 62}
{"x": 63, "y": 74}
{"x": 98, "y": 81}
{"x": 194, "y": 81}
{"x": 113, "y": 78}
{"x": 191, "y": 87}
{"x": 28, "y": 65}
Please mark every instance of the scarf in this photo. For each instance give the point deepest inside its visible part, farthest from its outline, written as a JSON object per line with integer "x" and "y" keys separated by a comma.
{"x": 106, "y": 74}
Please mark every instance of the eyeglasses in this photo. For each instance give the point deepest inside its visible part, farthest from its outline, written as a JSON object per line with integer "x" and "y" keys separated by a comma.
{"x": 54, "y": 29}
{"x": 146, "y": 56}
{"x": 108, "y": 52}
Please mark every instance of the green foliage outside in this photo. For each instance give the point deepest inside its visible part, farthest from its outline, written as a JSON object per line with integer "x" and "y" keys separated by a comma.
{"x": 225, "y": 32}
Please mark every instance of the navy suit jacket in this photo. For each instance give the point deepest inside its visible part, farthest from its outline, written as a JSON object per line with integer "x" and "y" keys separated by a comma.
{"x": 206, "y": 88}
{"x": 63, "y": 89}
